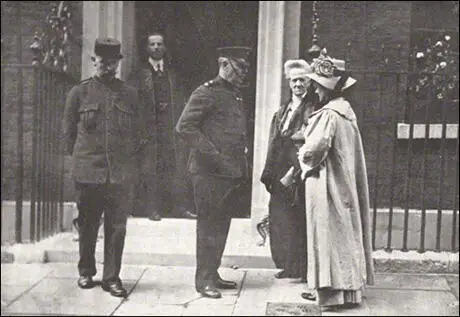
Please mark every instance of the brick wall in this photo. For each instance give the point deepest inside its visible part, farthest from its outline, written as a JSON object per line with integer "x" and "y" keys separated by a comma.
{"x": 380, "y": 100}
{"x": 19, "y": 22}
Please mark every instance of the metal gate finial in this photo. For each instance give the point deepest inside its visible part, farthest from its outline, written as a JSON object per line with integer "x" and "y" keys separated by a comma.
{"x": 314, "y": 50}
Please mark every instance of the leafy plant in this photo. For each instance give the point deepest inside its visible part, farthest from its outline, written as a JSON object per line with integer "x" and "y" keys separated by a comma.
{"x": 436, "y": 67}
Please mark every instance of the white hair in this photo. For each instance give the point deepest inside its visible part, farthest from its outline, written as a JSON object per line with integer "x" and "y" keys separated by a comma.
{"x": 296, "y": 63}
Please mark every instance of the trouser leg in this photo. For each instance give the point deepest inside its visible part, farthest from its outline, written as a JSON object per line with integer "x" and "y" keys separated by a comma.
{"x": 150, "y": 195}
{"x": 222, "y": 225}
{"x": 90, "y": 211}
{"x": 213, "y": 224}
{"x": 211, "y": 240}
{"x": 206, "y": 253}
{"x": 115, "y": 218}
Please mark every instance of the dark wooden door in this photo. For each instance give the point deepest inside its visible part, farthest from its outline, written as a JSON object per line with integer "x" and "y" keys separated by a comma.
{"x": 194, "y": 30}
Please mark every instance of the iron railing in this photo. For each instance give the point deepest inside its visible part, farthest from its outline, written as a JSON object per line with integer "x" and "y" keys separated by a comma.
{"x": 409, "y": 175}
{"x": 38, "y": 100}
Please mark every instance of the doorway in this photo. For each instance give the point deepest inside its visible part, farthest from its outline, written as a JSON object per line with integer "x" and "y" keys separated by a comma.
{"x": 194, "y": 31}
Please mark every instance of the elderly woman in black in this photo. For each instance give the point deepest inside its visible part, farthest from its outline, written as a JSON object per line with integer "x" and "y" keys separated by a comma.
{"x": 280, "y": 175}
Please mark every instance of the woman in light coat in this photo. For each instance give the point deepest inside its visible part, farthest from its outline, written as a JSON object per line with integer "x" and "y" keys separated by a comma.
{"x": 336, "y": 192}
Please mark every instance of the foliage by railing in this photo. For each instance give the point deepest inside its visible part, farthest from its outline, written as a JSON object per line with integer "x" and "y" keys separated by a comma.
{"x": 437, "y": 66}
{"x": 52, "y": 47}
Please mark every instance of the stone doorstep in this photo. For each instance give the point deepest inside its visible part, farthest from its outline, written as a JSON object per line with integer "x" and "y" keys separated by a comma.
{"x": 385, "y": 262}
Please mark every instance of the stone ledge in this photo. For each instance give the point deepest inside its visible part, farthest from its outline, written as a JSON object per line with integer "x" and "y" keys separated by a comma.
{"x": 415, "y": 262}
{"x": 385, "y": 262}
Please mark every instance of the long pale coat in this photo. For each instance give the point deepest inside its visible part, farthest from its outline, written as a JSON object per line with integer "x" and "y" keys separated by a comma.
{"x": 337, "y": 200}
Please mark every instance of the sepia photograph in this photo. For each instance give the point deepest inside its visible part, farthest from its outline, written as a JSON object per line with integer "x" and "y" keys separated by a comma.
{"x": 230, "y": 158}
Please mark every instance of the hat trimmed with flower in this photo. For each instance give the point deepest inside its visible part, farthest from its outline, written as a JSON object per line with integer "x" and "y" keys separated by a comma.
{"x": 330, "y": 73}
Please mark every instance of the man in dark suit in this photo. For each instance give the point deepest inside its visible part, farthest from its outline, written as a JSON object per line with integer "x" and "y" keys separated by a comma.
{"x": 164, "y": 188}
{"x": 213, "y": 123}
{"x": 101, "y": 133}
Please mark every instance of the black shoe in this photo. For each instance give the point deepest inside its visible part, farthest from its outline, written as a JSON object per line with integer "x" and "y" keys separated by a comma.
{"x": 283, "y": 274}
{"x": 223, "y": 284}
{"x": 115, "y": 288}
{"x": 189, "y": 214}
{"x": 155, "y": 216}
{"x": 209, "y": 291}
{"x": 308, "y": 296}
{"x": 85, "y": 282}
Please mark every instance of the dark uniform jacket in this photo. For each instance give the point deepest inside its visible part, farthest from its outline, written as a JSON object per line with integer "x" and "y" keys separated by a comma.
{"x": 101, "y": 131}
{"x": 213, "y": 123}
{"x": 143, "y": 81}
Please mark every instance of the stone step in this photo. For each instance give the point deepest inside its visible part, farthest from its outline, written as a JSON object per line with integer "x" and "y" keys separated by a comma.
{"x": 172, "y": 242}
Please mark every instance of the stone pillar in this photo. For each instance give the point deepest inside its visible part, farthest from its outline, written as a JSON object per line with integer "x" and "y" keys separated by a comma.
{"x": 109, "y": 18}
{"x": 278, "y": 40}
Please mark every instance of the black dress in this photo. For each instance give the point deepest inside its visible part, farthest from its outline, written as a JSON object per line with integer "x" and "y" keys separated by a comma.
{"x": 287, "y": 229}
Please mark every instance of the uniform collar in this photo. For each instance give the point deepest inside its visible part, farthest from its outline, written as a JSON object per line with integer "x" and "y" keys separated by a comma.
{"x": 226, "y": 83}
{"x": 109, "y": 82}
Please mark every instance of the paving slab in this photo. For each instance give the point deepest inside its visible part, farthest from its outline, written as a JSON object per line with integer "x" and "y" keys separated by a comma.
{"x": 17, "y": 279}
{"x": 130, "y": 308}
{"x": 50, "y": 289}
{"x": 217, "y": 308}
{"x": 58, "y": 296}
{"x": 411, "y": 303}
{"x": 260, "y": 287}
{"x": 23, "y": 274}
{"x": 11, "y": 293}
{"x": 453, "y": 282}
{"x": 164, "y": 286}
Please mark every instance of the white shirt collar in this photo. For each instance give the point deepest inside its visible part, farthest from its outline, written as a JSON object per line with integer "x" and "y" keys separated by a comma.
{"x": 156, "y": 64}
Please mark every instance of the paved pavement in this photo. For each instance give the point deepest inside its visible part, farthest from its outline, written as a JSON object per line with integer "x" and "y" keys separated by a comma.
{"x": 158, "y": 271}
{"x": 51, "y": 289}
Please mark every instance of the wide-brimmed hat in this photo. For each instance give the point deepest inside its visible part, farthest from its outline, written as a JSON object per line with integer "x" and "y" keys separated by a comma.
{"x": 329, "y": 71}
{"x": 108, "y": 48}
{"x": 301, "y": 66}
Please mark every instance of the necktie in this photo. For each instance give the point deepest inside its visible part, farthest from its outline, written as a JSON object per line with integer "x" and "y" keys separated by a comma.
{"x": 158, "y": 70}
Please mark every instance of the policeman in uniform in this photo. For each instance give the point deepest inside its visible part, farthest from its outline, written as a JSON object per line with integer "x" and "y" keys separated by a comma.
{"x": 213, "y": 123}
{"x": 101, "y": 134}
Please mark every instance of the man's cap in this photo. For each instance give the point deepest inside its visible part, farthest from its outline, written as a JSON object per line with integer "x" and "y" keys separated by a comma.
{"x": 236, "y": 52}
{"x": 108, "y": 48}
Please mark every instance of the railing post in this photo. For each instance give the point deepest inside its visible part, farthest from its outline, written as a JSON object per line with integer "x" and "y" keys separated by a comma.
{"x": 20, "y": 137}
{"x": 441, "y": 176}
{"x": 407, "y": 184}
{"x": 395, "y": 154}
{"x": 35, "y": 47}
